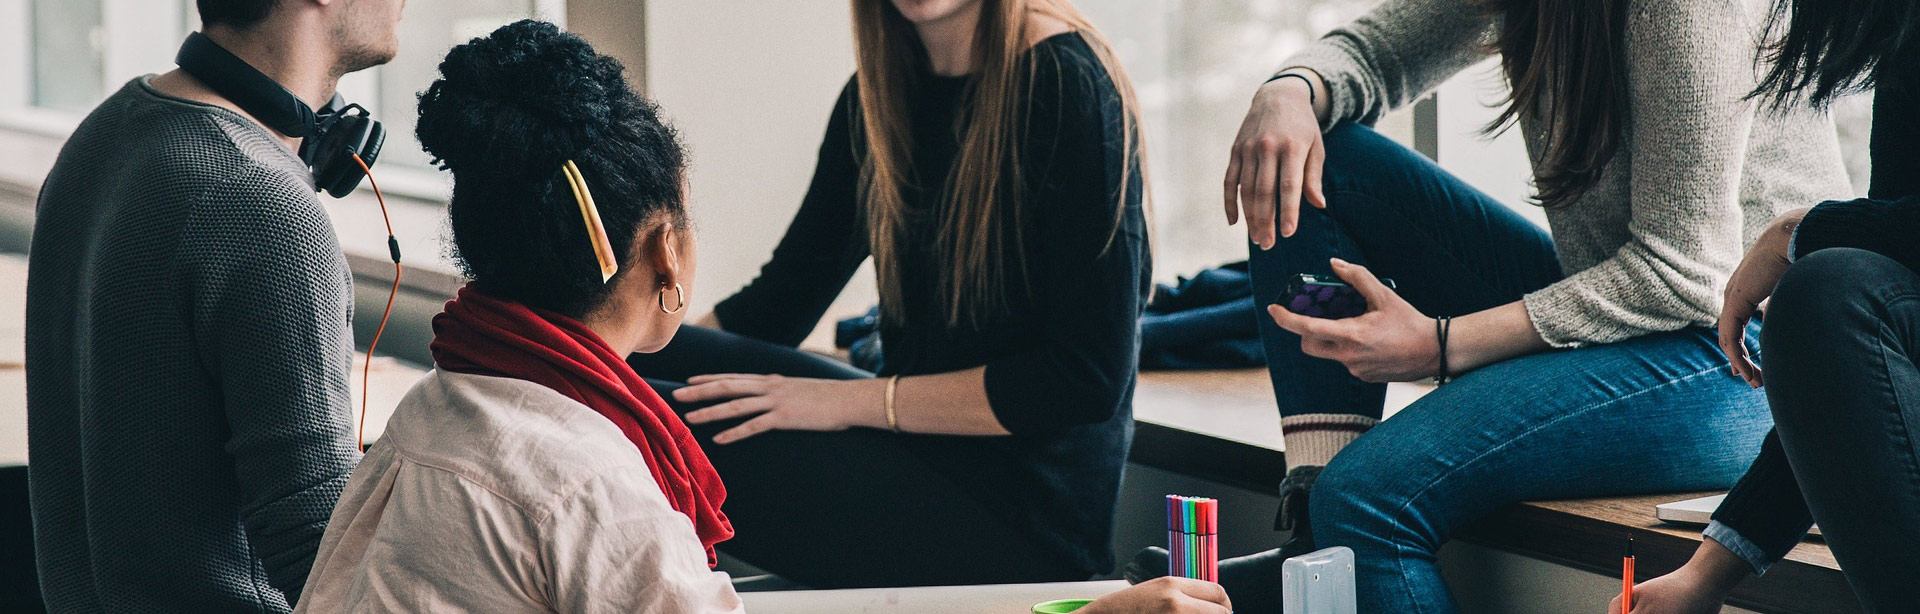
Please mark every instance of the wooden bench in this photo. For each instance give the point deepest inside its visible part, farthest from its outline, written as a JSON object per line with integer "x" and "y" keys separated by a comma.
{"x": 1220, "y": 426}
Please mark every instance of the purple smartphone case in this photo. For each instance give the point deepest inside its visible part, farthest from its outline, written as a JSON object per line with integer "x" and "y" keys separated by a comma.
{"x": 1314, "y": 296}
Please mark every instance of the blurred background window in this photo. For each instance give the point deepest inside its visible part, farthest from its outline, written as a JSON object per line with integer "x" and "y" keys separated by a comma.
{"x": 750, "y": 83}
{"x": 67, "y": 59}
{"x": 428, "y": 31}
{"x": 59, "y": 58}
{"x": 1195, "y": 65}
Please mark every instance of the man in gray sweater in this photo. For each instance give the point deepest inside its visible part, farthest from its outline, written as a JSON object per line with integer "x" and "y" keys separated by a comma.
{"x": 188, "y": 339}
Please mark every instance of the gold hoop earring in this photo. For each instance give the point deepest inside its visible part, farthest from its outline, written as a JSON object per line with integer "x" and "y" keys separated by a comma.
{"x": 680, "y": 296}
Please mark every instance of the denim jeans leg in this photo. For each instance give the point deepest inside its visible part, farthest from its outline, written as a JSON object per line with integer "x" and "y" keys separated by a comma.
{"x": 1451, "y": 249}
{"x": 1842, "y": 331}
{"x": 1660, "y": 413}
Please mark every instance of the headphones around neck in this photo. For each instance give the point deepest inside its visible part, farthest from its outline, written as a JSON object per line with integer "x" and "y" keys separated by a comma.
{"x": 330, "y": 137}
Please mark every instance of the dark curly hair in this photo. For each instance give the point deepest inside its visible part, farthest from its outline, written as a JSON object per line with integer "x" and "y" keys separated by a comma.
{"x": 505, "y": 114}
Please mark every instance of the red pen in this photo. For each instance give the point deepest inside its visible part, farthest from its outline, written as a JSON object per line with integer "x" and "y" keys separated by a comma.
{"x": 1626, "y": 579}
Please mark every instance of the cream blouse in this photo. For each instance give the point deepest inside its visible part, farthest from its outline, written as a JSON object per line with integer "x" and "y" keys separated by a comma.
{"x": 491, "y": 494}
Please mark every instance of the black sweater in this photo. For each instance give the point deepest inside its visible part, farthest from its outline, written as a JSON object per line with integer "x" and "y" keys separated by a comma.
{"x": 1888, "y": 219}
{"x": 1061, "y": 363}
{"x": 1766, "y": 507}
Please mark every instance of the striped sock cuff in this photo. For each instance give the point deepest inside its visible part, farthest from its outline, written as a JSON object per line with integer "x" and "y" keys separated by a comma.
{"x": 1313, "y": 439}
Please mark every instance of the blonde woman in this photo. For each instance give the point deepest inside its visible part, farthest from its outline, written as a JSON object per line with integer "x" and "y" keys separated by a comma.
{"x": 984, "y": 155}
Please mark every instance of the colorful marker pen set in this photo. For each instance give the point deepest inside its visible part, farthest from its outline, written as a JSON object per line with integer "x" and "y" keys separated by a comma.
{"x": 1192, "y": 537}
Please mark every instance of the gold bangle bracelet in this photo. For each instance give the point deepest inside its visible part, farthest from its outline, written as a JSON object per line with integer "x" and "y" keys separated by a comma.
{"x": 893, "y": 421}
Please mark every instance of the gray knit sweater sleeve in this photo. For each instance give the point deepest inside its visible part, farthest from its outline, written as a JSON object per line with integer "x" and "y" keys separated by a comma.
{"x": 1394, "y": 54}
{"x": 262, "y": 277}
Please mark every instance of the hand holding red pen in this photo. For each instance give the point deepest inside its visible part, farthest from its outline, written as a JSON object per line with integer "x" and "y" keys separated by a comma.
{"x": 1670, "y": 594}
{"x": 1698, "y": 587}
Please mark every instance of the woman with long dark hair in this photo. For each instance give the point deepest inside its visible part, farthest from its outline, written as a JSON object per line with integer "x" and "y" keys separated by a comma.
{"x": 985, "y": 156}
{"x": 1842, "y": 281}
{"x": 1579, "y": 362}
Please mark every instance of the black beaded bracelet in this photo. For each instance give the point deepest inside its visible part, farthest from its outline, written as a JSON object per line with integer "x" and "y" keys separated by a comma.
{"x": 1441, "y": 326}
{"x": 1311, "y": 98}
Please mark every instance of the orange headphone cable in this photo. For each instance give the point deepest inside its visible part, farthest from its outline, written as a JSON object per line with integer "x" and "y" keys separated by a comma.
{"x": 393, "y": 248}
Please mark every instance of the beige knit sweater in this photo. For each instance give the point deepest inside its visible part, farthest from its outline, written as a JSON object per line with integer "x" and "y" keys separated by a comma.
{"x": 1700, "y": 173}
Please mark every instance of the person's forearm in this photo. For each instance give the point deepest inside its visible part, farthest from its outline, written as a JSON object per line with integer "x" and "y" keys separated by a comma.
{"x": 1485, "y": 337}
{"x": 1322, "y": 106}
{"x": 952, "y": 403}
{"x": 1716, "y": 567}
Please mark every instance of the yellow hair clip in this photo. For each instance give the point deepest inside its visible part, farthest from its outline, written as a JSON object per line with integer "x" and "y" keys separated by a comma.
{"x": 596, "y": 232}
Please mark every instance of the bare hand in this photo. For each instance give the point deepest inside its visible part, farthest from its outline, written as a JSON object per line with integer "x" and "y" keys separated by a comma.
{"x": 1750, "y": 284}
{"x": 779, "y": 403}
{"x": 1275, "y": 159}
{"x": 1698, "y": 587}
{"x": 1164, "y": 595}
{"x": 1674, "y": 593}
{"x": 1391, "y": 342}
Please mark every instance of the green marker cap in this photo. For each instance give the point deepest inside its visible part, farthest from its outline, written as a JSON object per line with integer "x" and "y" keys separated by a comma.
{"x": 1060, "y": 606}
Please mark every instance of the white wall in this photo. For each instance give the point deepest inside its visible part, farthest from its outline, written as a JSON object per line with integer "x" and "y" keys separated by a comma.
{"x": 750, "y": 85}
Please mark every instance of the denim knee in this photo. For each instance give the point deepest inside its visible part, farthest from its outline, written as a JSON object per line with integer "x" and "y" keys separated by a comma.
{"x": 1353, "y": 152}
{"x": 1353, "y": 504}
{"x": 1827, "y": 279}
{"x": 1831, "y": 305}
{"x": 1835, "y": 291}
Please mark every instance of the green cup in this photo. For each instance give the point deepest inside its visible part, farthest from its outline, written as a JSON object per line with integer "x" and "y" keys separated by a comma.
{"x": 1060, "y": 606}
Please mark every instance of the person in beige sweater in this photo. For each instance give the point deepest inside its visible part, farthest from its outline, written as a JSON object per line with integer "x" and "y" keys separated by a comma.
{"x": 1582, "y": 361}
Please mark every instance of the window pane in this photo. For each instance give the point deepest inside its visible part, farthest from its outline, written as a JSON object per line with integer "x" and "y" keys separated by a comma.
{"x": 426, "y": 33}
{"x": 67, "y": 65}
{"x": 1195, "y": 65}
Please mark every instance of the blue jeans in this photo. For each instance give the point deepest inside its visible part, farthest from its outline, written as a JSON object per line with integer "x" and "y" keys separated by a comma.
{"x": 1655, "y": 413}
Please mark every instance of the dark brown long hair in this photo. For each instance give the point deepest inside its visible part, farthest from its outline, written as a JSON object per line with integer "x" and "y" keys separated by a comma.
{"x": 1565, "y": 62}
{"x": 979, "y": 234}
{"x": 1831, "y": 48}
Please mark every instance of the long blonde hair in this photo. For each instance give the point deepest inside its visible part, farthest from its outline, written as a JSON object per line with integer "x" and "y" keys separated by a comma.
{"x": 980, "y": 229}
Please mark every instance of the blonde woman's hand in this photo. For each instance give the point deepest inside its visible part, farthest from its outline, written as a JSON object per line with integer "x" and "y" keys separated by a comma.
{"x": 1276, "y": 159}
{"x": 1164, "y": 595}
{"x": 1750, "y": 285}
{"x": 782, "y": 403}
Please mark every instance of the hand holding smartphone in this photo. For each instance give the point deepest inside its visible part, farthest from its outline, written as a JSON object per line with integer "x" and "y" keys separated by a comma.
{"x": 1325, "y": 296}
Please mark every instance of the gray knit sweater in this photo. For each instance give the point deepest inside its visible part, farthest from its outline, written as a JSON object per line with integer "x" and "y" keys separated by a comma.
{"x": 1700, "y": 173}
{"x": 187, "y": 356}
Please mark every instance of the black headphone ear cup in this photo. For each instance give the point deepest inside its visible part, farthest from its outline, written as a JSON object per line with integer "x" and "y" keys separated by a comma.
{"x": 376, "y": 138}
{"x": 334, "y": 170}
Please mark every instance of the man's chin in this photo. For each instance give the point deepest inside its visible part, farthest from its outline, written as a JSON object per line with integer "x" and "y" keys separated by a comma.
{"x": 368, "y": 58}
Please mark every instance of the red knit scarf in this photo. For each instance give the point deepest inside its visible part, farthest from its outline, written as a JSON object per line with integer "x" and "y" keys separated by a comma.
{"x": 483, "y": 335}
